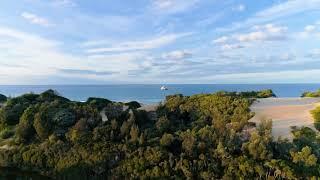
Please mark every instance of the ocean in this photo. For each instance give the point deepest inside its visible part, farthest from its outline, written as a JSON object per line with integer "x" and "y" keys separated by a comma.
{"x": 149, "y": 94}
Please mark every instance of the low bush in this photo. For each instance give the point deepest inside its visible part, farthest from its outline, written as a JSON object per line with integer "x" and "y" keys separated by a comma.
{"x": 316, "y": 116}
{"x": 311, "y": 94}
{"x": 6, "y": 133}
{"x": 3, "y": 98}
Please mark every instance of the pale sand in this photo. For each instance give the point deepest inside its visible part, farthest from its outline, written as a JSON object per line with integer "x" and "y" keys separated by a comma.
{"x": 285, "y": 113}
{"x": 149, "y": 107}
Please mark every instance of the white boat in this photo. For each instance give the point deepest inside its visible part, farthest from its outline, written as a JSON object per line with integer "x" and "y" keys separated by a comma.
{"x": 163, "y": 88}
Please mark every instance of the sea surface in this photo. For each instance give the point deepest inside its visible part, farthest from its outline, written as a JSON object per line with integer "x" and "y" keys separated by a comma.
{"x": 149, "y": 94}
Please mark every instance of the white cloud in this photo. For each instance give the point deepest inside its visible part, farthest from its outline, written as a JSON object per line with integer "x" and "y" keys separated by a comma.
{"x": 310, "y": 28}
{"x": 121, "y": 62}
{"x": 294, "y": 76}
{"x": 86, "y": 72}
{"x": 227, "y": 47}
{"x": 35, "y": 56}
{"x": 64, "y": 3}
{"x": 211, "y": 19}
{"x": 176, "y": 55}
{"x": 287, "y": 57}
{"x": 30, "y": 59}
{"x": 35, "y": 19}
{"x": 139, "y": 45}
{"x": 118, "y": 56}
{"x": 221, "y": 40}
{"x": 267, "y": 32}
{"x": 276, "y": 12}
{"x": 290, "y": 7}
{"x": 315, "y": 53}
{"x": 264, "y": 33}
{"x": 99, "y": 25}
{"x": 271, "y": 28}
{"x": 239, "y": 8}
{"x": 163, "y": 4}
{"x": 253, "y": 36}
{"x": 172, "y": 6}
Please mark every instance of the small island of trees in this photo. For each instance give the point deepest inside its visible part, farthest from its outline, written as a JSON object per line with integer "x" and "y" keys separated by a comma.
{"x": 311, "y": 94}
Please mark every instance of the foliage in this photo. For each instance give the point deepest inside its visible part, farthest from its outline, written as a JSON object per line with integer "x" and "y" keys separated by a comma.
{"x": 265, "y": 93}
{"x": 203, "y": 136}
{"x": 25, "y": 129}
{"x": 6, "y": 133}
{"x": 311, "y": 94}
{"x": 316, "y": 116}
{"x": 3, "y": 98}
{"x": 11, "y": 112}
{"x": 98, "y": 103}
{"x": 258, "y": 94}
{"x": 166, "y": 140}
{"x": 133, "y": 104}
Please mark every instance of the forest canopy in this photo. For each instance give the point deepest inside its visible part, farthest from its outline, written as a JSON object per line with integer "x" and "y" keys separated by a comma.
{"x": 204, "y": 136}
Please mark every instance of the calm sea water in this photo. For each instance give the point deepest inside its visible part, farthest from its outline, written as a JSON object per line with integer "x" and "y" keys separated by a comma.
{"x": 151, "y": 93}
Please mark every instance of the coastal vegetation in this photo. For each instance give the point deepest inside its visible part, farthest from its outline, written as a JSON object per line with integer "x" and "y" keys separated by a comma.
{"x": 311, "y": 94}
{"x": 316, "y": 116}
{"x": 204, "y": 136}
{"x": 316, "y": 112}
{"x": 267, "y": 93}
{"x": 3, "y": 98}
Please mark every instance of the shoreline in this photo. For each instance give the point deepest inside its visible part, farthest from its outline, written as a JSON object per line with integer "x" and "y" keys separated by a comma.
{"x": 285, "y": 113}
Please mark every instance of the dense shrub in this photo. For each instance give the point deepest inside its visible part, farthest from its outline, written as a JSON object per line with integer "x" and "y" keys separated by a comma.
{"x": 316, "y": 116}
{"x": 258, "y": 94}
{"x": 42, "y": 125}
{"x": 6, "y": 133}
{"x": 166, "y": 140}
{"x": 265, "y": 93}
{"x": 11, "y": 112}
{"x": 163, "y": 124}
{"x": 202, "y": 136}
{"x": 3, "y": 98}
{"x": 51, "y": 95}
{"x": 64, "y": 118}
{"x": 25, "y": 129}
{"x": 311, "y": 94}
{"x": 133, "y": 105}
{"x": 98, "y": 103}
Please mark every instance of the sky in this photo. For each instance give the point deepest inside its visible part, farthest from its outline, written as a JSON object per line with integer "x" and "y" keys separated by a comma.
{"x": 159, "y": 41}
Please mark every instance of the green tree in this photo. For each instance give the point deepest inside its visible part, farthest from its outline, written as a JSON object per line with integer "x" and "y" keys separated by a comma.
{"x": 25, "y": 129}
{"x": 134, "y": 133}
{"x": 166, "y": 140}
{"x": 316, "y": 116}
{"x": 42, "y": 124}
{"x": 3, "y": 98}
{"x": 188, "y": 142}
{"x": 163, "y": 124}
{"x": 257, "y": 147}
{"x": 305, "y": 156}
{"x": 124, "y": 129}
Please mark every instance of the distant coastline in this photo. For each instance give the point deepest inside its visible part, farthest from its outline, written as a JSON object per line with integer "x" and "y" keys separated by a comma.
{"x": 151, "y": 93}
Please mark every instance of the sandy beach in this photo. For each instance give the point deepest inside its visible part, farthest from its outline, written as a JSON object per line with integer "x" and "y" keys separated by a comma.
{"x": 285, "y": 113}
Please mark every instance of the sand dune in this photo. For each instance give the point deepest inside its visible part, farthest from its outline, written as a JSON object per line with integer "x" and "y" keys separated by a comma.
{"x": 285, "y": 112}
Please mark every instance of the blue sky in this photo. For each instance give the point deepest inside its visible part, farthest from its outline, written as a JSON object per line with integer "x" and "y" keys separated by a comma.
{"x": 159, "y": 41}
